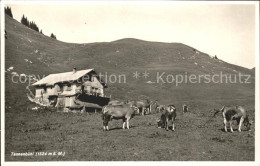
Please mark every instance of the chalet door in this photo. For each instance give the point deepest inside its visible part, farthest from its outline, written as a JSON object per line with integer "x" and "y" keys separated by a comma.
{"x": 88, "y": 88}
{"x": 67, "y": 102}
{"x": 71, "y": 101}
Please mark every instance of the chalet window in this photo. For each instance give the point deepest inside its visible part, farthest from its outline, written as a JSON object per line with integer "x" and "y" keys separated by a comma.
{"x": 57, "y": 88}
{"x": 61, "y": 88}
{"x": 69, "y": 87}
{"x": 90, "y": 78}
{"x": 45, "y": 89}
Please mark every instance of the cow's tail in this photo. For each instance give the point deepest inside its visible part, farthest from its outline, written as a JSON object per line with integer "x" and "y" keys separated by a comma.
{"x": 102, "y": 113}
{"x": 104, "y": 119}
{"x": 103, "y": 116}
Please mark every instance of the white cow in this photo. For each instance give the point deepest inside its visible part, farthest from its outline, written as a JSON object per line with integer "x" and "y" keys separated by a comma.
{"x": 237, "y": 113}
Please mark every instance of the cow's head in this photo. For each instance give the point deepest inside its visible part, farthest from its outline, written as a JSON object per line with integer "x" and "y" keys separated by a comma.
{"x": 171, "y": 108}
{"x": 136, "y": 109}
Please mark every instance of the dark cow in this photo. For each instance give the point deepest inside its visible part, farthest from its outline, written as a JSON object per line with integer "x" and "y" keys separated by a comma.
{"x": 169, "y": 113}
{"x": 237, "y": 113}
{"x": 184, "y": 108}
{"x": 124, "y": 112}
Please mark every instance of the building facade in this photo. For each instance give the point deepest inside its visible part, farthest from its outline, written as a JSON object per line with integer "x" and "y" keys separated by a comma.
{"x": 72, "y": 90}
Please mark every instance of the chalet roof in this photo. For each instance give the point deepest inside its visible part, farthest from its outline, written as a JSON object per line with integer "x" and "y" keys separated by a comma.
{"x": 62, "y": 77}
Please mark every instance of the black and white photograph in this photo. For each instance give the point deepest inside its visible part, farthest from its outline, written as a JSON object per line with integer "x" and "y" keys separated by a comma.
{"x": 85, "y": 81}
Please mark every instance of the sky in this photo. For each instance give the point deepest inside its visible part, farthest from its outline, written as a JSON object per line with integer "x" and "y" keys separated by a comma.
{"x": 225, "y": 30}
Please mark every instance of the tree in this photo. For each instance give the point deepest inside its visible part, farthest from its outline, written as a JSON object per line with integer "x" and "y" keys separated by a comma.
{"x": 33, "y": 26}
{"x": 53, "y": 36}
{"x": 29, "y": 24}
{"x": 8, "y": 11}
{"x": 24, "y": 21}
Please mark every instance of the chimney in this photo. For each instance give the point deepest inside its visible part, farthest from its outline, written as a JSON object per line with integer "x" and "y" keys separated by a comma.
{"x": 74, "y": 70}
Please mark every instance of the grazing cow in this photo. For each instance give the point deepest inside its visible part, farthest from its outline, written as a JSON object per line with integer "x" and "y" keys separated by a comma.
{"x": 237, "y": 113}
{"x": 124, "y": 112}
{"x": 184, "y": 108}
{"x": 169, "y": 113}
{"x": 116, "y": 102}
{"x": 159, "y": 108}
{"x": 144, "y": 105}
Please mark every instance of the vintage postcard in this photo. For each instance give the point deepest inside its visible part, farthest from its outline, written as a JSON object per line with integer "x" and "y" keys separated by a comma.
{"x": 159, "y": 81}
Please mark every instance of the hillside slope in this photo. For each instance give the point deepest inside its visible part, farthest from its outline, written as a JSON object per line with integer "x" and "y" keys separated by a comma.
{"x": 198, "y": 136}
{"x": 32, "y": 53}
